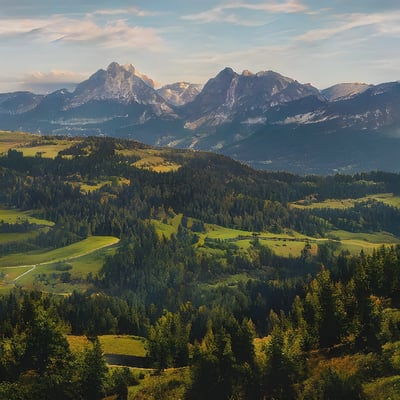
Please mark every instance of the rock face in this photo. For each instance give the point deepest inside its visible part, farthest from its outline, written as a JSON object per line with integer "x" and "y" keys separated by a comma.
{"x": 180, "y": 93}
{"x": 264, "y": 119}
{"x": 120, "y": 84}
{"x": 248, "y": 96}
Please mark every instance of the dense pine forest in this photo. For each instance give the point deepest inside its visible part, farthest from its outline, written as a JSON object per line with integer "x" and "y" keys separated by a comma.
{"x": 228, "y": 317}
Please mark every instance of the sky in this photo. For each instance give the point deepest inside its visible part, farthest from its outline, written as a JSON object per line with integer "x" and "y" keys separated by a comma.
{"x": 51, "y": 44}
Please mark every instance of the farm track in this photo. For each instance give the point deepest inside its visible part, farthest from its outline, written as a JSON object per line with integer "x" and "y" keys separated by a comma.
{"x": 34, "y": 266}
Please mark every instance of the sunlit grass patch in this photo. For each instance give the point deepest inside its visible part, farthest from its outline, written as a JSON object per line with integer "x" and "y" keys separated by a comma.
{"x": 74, "y": 250}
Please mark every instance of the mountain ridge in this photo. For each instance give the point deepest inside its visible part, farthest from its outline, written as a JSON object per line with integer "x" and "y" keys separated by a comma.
{"x": 227, "y": 115}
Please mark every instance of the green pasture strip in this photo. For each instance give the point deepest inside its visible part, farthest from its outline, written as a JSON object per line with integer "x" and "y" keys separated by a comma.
{"x": 49, "y": 277}
{"x": 90, "y": 263}
{"x": 220, "y": 232}
{"x": 329, "y": 203}
{"x": 124, "y": 345}
{"x": 355, "y": 246}
{"x": 66, "y": 253}
{"x": 17, "y": 237}
{"x": 285, "y": 248}
{"x": 9, "y": 274}
{"x": 127, "y": 345}
{"x": 13, "y": 216}
{"x": 375, "y": 238}
{"x": 45, "y": 149}
{"x": 12, "y": 140}
{"x": 387, "y": 198}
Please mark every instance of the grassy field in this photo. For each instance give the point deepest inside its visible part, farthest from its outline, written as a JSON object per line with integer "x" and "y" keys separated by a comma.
{"x": 13, "y": 216}
{"x": 287, "y": 244}
{"x": 57, "y": 271}
{"x": 8, "y": 275}
{"x": 12, "y": 140}
{"x": 112, "y": 344}
{"x": 75, "y": 250}
{"x": 330, "y": 203}
{"x": 18, "y": 237}
{"x": 33, "y": 145}
{"x": 156, "y": 163}
{"x": 387, "y": 198}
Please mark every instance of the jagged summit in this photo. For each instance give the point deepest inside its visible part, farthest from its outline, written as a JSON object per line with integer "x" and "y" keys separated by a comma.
{"x": 230, "y": 96}
{"x": 121, "y": 83}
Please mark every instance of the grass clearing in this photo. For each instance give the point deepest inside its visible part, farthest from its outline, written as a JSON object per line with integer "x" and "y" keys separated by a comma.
{"x": 375, "y": 237}
{"x": 8, "y": 275}
{"x": 33, "y": 145}
{"x": 156, "y": 163}
{"x": 329, "y": 203}
{"x": 387, "y": 198}
{"x": 127, "y": 345}
{"x": 72, "y": 251}
{"x": 12, "y": 140}
{"x": 19, "y": 237}
{"x": 13, "y": 216}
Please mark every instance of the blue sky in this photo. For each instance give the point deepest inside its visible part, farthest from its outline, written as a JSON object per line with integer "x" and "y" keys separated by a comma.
{"x": 45, "y": 44}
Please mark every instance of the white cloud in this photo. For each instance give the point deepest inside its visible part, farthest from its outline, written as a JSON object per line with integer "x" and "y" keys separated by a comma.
{"x": 116, "y": 34}
{"x": 127, "y": 11}
{"x": 382, "y": 23}
{"x": 54, "y": 77}
{"x": 225, "y": 13}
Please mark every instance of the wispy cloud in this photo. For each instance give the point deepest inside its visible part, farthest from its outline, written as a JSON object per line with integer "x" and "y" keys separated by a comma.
{"x": 127, "y": 11}
{"x": 381, "y": 23}
{"x": 116, "y": 33}
{"x": 227, "y": 12}
{"x": 54, "y": 77}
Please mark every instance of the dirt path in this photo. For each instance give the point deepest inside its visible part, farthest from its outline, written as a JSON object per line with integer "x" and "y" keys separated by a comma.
{"x": 33, "y": 266}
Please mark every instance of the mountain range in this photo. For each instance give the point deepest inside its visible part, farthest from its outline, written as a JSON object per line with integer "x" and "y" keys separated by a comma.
{"x": 263, "y": 119}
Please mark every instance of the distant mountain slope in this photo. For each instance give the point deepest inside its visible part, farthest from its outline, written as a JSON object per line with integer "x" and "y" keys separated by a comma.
{"x": 265, "y": 119}
{"x": 18, "y": 102}
{"x": 247, "y": 96}
{"x": 343, "y": 91}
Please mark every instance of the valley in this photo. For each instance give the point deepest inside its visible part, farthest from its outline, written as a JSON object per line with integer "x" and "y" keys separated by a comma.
{"x": 173, "y": 271}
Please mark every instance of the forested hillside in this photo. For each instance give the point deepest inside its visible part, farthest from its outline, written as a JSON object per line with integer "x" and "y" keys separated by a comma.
{"x": 257, "y": 285}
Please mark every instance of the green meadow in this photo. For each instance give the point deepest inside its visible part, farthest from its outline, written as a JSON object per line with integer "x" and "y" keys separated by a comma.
{"x": 13, "y": 216}
{"x": 66, "y": 253}
{"x": 112, "y": 344}
{"x": 387, "y": 198}
{"x": 287, "y": 244}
